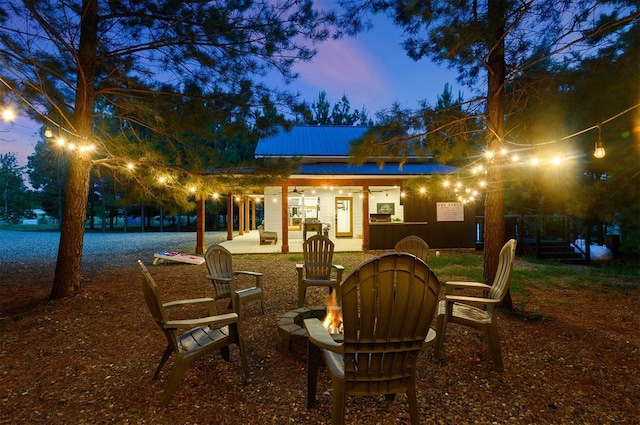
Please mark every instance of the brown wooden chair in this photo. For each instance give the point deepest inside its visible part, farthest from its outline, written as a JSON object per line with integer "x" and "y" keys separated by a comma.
{"x": 317, "y": 267}
{"x": 478, "y": 311}
{"x": 413, "y": 245}
{"x": 224, "y": 279}
{"x": 203, "y": 336}
{"x": 388, "y": 304}
{"x": 417, "y": 246}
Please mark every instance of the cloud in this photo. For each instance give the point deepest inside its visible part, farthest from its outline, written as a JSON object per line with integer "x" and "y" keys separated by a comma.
{"x": 342, "y": 67}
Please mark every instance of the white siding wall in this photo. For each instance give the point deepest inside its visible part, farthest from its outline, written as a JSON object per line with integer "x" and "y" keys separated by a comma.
{"x": 273, "y": 207}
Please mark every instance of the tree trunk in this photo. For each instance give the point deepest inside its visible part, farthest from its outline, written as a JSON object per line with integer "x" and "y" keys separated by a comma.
{"x": 494, "y": 202}
{"x": 67, "y": 279}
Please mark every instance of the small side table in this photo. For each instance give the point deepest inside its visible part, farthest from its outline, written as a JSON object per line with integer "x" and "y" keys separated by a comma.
{"x": 311, "y": 227}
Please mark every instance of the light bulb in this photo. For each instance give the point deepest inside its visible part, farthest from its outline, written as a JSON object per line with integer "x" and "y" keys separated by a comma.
{"x": 8, "y": 115}
{"x": 599, "y": 150}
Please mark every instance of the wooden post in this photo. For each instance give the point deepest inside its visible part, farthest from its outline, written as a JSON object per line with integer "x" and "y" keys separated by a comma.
{"x": 253, "y": 214}
{"x": 247, "y": 224}
{"x": 200, "y": 225}
{"x": 365, "y": 218}
{"x": 241, "y": 217}
{"x": 285, "y": 219}
{"x": 230, "y": 216}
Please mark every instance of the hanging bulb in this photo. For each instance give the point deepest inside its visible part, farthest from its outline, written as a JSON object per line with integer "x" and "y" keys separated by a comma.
{"x": 599, "y": 152}
{"x": 8, "y": 115}
{"x": 48, "y": 133}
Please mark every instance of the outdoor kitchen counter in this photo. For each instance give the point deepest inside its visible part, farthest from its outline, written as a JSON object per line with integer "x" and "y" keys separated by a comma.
{"x": 386, "y": 235}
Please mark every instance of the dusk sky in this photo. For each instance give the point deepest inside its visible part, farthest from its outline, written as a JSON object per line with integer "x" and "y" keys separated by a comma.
{"x": 372, "y": 70}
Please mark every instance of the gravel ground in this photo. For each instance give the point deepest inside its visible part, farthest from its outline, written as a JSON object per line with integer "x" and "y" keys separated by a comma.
{"x": 89, "y": 359}
{"x": 40, "y": 249}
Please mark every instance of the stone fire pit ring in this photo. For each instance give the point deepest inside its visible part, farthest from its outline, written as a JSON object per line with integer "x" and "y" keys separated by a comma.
{"x": 292, "y": 336}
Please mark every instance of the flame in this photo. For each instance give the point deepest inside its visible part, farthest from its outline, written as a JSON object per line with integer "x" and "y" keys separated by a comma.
{"x": 333, "y": 320}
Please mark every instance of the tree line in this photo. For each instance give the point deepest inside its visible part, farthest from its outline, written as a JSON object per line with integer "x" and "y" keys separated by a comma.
{"x": 160, "y": 92}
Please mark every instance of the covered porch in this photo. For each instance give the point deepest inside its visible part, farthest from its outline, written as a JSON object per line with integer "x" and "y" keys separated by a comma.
{"x": 249, "y": 243}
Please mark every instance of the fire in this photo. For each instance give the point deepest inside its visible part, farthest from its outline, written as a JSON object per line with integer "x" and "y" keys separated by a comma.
{"x": 333, "y": 320}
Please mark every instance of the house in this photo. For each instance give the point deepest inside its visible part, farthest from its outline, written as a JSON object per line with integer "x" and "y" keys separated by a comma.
{"x": 368, "y": 202}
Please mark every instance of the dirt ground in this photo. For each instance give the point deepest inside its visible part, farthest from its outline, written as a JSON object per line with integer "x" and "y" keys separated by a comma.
{"x": 89, "y": 359}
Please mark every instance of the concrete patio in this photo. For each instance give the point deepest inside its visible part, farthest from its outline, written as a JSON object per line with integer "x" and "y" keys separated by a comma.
{"x": 248, "y": 243}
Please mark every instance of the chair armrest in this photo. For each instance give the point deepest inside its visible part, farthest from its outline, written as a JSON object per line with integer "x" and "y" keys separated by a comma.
{"x": 257, "y": 275}
{"x": 194, "y": 301}
{"x": 215, "y": 321}
{"x": 248, "y": 273}
{"x": 209, "y": 302}
{"x": 300, "y": 271}
{"x": 454, "y": 285}
{"x": 477, "y": 300}
{"x": 339, "y": 270}
{"x": 221, "y": 279}
{"x": 319, "y": 335}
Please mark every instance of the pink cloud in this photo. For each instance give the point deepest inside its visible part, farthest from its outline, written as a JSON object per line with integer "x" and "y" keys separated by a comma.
{"x": 342, "y": 67}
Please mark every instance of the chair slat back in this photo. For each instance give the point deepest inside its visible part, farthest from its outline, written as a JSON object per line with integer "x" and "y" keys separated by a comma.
{"x": 505, "y": 268}
{"x": 152, "y": 296}
{"x": 388, "y": 304}
{"x": 318, "y": 257}
{"x": 154, "y": 303}
{"x": 219, "y": 261}
{"x": 220, "y": 265}
{"x": 413, "y": 245}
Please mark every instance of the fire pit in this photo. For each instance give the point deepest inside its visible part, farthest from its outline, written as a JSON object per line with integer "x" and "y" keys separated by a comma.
{"x": 292, "y": 336}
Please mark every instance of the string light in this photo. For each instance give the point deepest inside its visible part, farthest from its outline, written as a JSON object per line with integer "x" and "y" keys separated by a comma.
{"x": 599, "y": 147}
{"x": 8, "y": 114}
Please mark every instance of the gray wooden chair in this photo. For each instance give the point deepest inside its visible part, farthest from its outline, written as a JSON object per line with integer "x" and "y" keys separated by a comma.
{"x": 267, "y": 236}
{"x": 478, "y": 311}
{"x": 413, "y": 245}
{"x": 317, "y": 267}
{"x": 225, "y": 280}
{"x": 203, "y": 335}
{"x": 388, "y": 304}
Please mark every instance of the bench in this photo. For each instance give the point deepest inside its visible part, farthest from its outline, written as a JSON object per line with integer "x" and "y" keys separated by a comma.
{"x": 266, "y": 236}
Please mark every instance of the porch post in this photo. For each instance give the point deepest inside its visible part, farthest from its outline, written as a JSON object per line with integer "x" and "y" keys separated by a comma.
{"x": 200, "y": 225}
{"x": 365, "y": 217}
{"x": 253, "y": 214}
{"x": 247, "y": 204}
{"x": 230, "y": 216}
{"x": 241, "y": 216}
{"x": 285, "y": 219}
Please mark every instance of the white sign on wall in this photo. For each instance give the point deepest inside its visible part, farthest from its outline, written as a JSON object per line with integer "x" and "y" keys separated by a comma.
{"x": 449, "y": 211}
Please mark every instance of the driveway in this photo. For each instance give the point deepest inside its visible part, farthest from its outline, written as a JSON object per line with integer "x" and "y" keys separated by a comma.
{"x": 32, "y": 249}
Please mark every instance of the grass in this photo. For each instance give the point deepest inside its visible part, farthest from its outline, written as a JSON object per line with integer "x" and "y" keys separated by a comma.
{"x": 528, "y": 272}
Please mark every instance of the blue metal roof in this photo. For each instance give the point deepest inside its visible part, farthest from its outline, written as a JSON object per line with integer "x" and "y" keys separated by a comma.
{"x": 310, "y": 140}
{"x": 389, "y": 169}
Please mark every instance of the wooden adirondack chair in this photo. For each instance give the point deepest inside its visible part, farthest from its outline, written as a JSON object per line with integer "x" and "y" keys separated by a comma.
{"x": 203, "y": 336}
{"x": 413, "y": 245}
{"x": 478, "y": 312}
{"x": 388, "y": 304}
{"x": 220, "y": 265}
{"x": 317, "y": 267}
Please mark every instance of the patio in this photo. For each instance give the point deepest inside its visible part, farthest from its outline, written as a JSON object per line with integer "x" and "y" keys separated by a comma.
{"x": 248, "y": 243}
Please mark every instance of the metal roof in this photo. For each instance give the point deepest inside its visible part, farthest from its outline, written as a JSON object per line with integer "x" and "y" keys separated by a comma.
{"x": 370, "y": 169}
{"x": 310, "y": 141}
